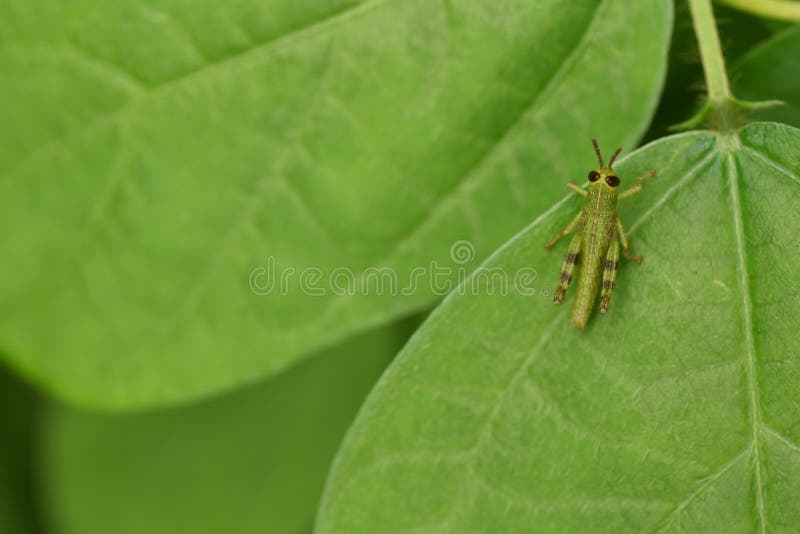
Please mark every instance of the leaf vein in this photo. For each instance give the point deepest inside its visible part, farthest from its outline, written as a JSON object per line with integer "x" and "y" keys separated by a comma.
{"x": 772, "y": 163}
{"x": 694, "y": 171}
{"x": 485, "y": 428}
{"x": 578, "y": 504}
{"x": 780, "y": 437}
{"x": 705, "y": 484}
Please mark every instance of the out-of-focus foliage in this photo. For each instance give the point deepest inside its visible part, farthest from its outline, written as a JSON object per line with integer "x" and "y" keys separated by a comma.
{"x": 253, "y": 461}
{"x": 772, "y": 71}
{"x": 154, "y": 154}
{"x": 18, "y": 409}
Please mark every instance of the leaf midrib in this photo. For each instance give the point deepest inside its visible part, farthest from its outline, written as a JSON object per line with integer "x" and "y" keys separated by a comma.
{"x": 753, "y": 396}
{"x": 747, "y": 320}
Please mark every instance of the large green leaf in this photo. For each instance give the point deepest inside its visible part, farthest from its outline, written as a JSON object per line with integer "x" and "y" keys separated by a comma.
{"x": 154, "y": 154}
{"x": 252, "y": 461}
{"x": 770, "y": 72}
{"x": 677, "y": 410}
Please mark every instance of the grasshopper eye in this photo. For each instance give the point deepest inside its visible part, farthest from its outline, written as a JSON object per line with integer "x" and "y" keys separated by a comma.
{"x": 612, "y": 180}
{"x": 594, "y": 176}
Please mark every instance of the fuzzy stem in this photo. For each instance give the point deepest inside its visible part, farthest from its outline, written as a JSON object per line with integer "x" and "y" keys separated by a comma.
{"x": 721, "y": 111}
{"x": 705, "y": 29}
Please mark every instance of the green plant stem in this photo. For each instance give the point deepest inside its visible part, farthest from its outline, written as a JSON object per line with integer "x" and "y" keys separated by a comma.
{"x": 722, "y": 111}
{"x": 705, "y": 28}
{"x": 776, "y": 9}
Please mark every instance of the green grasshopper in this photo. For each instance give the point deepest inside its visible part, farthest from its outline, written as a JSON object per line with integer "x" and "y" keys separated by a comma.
{"x": 595, "y": 247}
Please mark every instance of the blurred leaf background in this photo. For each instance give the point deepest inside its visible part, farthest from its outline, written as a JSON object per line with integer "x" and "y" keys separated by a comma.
{"x": 369, "y": 133}
{"x": 338, "y": 135}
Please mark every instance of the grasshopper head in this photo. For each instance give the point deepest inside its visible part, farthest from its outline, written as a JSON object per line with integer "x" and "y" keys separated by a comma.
{"x": 604, "y": 177}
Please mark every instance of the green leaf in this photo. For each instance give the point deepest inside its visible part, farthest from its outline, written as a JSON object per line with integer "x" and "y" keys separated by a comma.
{"x": 676, "y": 410}
{"x": 770, "y": 72}
{"x": 154, "y": 155}
{"x": 18, "y": 418}
{"x": 252, "y": 461}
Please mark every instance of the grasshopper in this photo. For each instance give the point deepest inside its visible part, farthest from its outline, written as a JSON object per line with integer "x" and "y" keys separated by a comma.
{"x": 595, "y": 247}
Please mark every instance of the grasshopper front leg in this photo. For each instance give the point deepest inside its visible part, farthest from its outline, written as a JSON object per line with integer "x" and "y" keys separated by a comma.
{"x": 568, "y": 268}
{"x": 566, "y": 231}
{"x": 578, "y": 189}
{"x": 624, "y": 240}
{"x": 638, "y": 187}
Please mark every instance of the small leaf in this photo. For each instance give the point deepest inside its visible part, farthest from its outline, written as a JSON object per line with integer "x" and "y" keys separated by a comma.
{"x": 770, "y": 72}
{"x": 154, "y": 155}
{"x": 677, "y": 410}
{"x": 253, "y": 461}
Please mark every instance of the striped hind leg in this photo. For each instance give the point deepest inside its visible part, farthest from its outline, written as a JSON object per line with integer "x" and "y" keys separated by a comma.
{"x": 609, "y": 275}
{"x": 568, "y": 267}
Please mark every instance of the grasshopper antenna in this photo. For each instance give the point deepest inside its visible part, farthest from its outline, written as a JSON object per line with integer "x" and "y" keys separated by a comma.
{"x": 597, "y": 151}
{"x": 610, "y": 163}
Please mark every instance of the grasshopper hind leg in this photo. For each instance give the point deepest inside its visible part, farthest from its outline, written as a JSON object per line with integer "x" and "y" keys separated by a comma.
{"x": 609, "y": 275}
{"x": 568, "y": 268}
